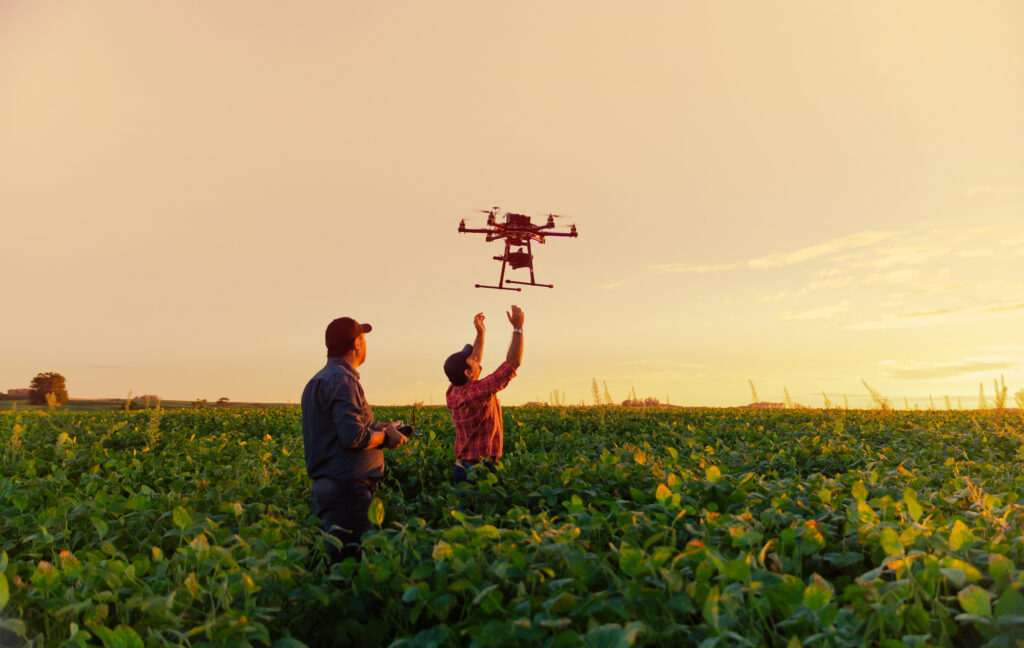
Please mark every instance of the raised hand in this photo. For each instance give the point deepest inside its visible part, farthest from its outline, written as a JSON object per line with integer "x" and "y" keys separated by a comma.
{"x": 516, "y": 317}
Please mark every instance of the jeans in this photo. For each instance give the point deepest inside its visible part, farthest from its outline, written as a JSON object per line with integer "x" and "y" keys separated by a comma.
{"x": 341, "y": 505}
{"x": 461, "y": 470}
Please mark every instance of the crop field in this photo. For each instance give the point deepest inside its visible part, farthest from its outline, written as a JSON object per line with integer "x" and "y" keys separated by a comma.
{"x": 611, "y": 527}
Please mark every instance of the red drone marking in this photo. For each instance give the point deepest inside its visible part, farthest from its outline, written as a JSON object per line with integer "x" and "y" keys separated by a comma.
{"x": 518, "y": 232}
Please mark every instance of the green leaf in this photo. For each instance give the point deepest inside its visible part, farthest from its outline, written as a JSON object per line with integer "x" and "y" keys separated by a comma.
{"x": 181, "y": 517}
{"x": 710, "y": 608}
{"x": 120, "y": 637}
{"x": 999, "y": 566}
{"x": 101, "y": 526}
{"x": 817, "y": 594}
{"x": 712, "y": 474}
{"x": 412, "y": 593}
{"x": 890, "y": 542}
{"x": 612, "y": 635}
{"x": 1011, "y": 603}
{"x": 376, "y": 511}
{"x": 975, "y": 600}
{"x": 859, "y": 492}
{"x": 5, "y": 593}
{"x": 738, "y": 569}
{"x": 913, "y": 507}
{"x": 954, "y": 575}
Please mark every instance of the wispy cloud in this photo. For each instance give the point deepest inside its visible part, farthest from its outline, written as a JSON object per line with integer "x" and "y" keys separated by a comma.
{"x": 673, "y": 268}
{"x": 771, "y": 298}
{"x": 616, "y": 284}
{"x": 821, "y": 250}
{"x": 905, "y": 255}
{"x": 913, "y": 319}
{"x": 820, "y": 312}
{"x": 940, "y": 370}
{"x": 669, "y": 268}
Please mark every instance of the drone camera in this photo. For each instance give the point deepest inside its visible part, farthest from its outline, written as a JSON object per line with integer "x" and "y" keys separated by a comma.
{"x": 520, "y": 260}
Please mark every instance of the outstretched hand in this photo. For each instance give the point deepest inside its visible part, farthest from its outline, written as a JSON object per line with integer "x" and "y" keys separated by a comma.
{"x": 516, "y": 317}
{"x": 478, "y": 322}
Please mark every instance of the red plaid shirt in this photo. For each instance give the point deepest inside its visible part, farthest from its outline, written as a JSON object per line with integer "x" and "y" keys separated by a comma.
{"x": 476, "y": 414}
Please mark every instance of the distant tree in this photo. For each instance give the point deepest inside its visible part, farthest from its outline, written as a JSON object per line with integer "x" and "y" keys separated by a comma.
{"x": 199, "y": 403}
{"x": 222, "y": 401}
{"x": 48, "y": 383}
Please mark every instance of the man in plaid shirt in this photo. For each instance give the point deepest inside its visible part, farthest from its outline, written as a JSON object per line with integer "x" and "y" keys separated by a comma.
{"x": 473, "y": 401}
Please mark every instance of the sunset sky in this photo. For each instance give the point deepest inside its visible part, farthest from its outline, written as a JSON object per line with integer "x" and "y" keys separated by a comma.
{"x": 802, "y": 194}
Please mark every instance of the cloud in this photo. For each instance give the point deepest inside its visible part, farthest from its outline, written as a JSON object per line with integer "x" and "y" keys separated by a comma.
{"x": 830, "y": 283}
{"x": 906, "y": 255}
{"x": 827, "y": 248}
{"x": 668, "y": 268}
{"x": 821, "y": 312}
{"x": 616, "y": 284}
{"x": 674, "y": 268}
{"x": 776, "y": 297}
{"x": 939, "y": 370}
{"x": 914, "y": 319}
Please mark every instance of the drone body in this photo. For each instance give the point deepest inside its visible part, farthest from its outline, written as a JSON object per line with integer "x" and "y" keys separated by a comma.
{"x": 518, "y": 233}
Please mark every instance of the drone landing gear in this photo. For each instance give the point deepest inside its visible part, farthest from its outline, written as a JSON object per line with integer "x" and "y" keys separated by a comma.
{"x": 501, "y": 287}
{"x": 528, "y": 283}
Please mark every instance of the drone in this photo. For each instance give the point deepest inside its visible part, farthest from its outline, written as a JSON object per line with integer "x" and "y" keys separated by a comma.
{"x": 518, "y": 232}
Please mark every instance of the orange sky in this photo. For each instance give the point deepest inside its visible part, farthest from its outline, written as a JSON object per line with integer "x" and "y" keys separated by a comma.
{"x": 804, "y": 194}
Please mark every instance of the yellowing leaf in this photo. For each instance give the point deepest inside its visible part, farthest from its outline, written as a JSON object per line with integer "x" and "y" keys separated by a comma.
{"x": 191, "y": 584}
{"x": 975, "y": 600}
{"x": 442, "y": 550}
{"x": 913, "y": 507}
{"x": 712, "y": 474}
{"x": 181, "y": 517}
{"x": 376, "y": 511}
{"x": 662, "y": 493}
{"x": 817, "y": 594}
{"x": 960, "y": 536}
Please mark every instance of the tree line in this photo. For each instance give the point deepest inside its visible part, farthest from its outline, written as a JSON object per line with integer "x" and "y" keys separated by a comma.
{"x": 42, "y": 385}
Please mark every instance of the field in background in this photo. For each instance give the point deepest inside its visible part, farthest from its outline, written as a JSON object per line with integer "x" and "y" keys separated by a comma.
{"x": 612, "y": 527}
{"x": 114, "y": 404}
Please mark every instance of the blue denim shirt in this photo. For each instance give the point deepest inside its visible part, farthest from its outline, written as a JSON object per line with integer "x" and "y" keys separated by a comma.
{"x": 337, "y": 423}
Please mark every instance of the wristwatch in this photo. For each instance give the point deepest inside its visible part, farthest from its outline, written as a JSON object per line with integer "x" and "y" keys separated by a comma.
{"x": 517, "y": 330}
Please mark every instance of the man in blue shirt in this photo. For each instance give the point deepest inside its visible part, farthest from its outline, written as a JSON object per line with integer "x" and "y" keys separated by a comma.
{"x": 342, "y": 443}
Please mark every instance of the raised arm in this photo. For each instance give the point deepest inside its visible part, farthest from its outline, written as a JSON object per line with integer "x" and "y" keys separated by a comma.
{"x": 478, "y": 343}
{"x": 515, "y": 347}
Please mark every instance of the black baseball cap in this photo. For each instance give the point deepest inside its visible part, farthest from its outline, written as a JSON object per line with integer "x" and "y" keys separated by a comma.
{"x": 455, "y": 366}
{"x": 342, "y": 333}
